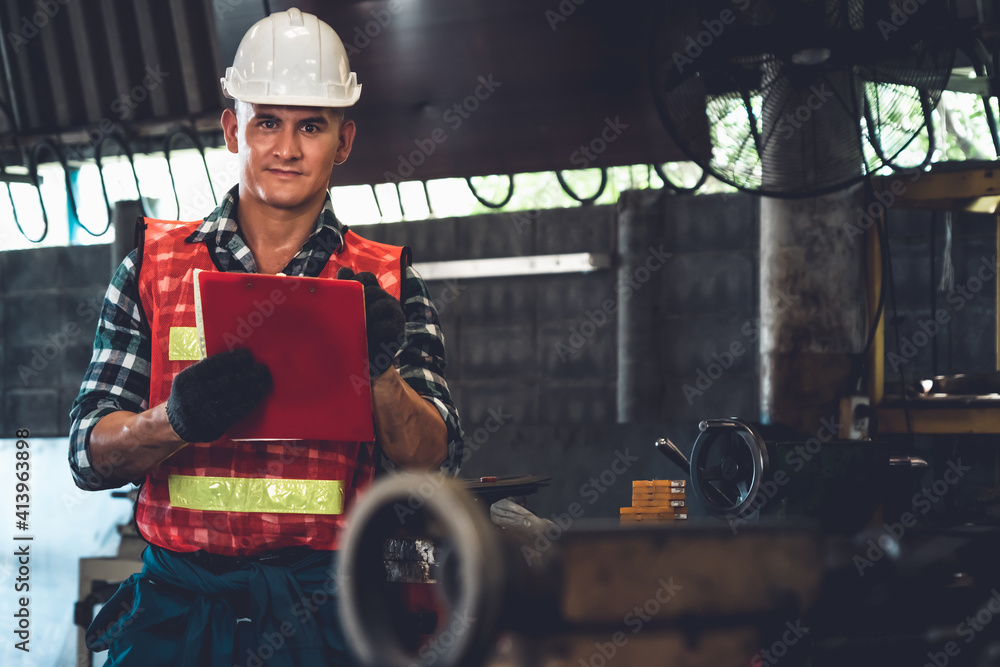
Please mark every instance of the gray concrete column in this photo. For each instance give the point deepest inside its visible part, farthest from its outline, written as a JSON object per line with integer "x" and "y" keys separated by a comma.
{"x": 812, "y": 307}
{"x": 640, "y": 376}
{"x": 812, "y": 297}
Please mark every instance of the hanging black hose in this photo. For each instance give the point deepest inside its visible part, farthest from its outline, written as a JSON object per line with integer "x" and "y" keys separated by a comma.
{"x": 98, "y": 154}
{"x": 427, "y": 196}
{"x": 752, "y": 121}
{"x": 33, "y": 171}
{"x": 680, "y": 189}
{"x": 925, "y": 105}
{"x": 862, "y": 364}
{"x": 53, "y": 148}
{"x": 489, "y": 204}
{"x": 378, "y": 204}
{"x": 876, "y": 144}
{"x": 168, "y": 143}
{"x": 399, "y": 198}
{"x": 13, "y": 207}
{"x": 991, "y": 121}
{"x": 13, "y": 124}
{"x": 584, "y": 201}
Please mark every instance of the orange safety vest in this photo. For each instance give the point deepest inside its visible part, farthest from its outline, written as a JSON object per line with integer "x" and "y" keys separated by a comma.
{"x": 304, "y": 486}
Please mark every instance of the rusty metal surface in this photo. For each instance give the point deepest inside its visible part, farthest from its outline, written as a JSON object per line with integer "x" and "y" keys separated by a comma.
{"x": 729, "y": 648}
{"x": 805, "y": 387}
{"x": 702, "y": 572}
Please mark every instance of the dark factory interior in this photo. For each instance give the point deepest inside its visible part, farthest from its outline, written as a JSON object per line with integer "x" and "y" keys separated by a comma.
{"x": 717, "y": 285}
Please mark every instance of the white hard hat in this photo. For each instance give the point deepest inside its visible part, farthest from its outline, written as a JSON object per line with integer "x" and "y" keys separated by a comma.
{"x": 292, "y": 58}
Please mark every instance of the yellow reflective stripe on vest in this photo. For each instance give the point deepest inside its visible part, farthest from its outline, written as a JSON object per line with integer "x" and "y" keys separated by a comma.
{"x": 241, "y": 494}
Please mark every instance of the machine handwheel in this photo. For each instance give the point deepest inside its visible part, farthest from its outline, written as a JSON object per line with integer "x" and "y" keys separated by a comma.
{"x": 728, "y": 464}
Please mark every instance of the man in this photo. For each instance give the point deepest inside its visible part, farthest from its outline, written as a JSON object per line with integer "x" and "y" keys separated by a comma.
{"x": 225, "y": 581}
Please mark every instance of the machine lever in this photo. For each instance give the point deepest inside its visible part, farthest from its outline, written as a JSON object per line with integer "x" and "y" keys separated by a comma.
{"x": 670, "y": 450}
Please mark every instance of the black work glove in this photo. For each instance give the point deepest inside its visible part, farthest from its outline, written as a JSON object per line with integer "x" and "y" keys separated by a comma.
{"x": 208, "y": 397}
{"x": 386, "y": 324}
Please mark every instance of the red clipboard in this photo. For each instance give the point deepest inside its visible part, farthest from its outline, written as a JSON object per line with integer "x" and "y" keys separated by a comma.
{"x": 310, "y": 333}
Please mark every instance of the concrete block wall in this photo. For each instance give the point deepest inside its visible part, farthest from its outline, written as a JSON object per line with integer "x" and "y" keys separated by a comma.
{"x": 50, "y": 301}
{"x": 503, "y": 333}
{"x": 710, "y": 304}
{"x": 704, "y": 307}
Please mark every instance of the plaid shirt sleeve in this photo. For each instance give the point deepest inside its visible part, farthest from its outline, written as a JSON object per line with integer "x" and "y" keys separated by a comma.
{"x": 422, "y": 361}
{"x": 118, "y": 375}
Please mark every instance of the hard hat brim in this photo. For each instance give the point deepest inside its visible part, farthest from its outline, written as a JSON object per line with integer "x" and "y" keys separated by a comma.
{"x": 291, "y": 100}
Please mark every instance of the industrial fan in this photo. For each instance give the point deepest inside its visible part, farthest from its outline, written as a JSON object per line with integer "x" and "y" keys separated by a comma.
{"x": 797, "y": 98}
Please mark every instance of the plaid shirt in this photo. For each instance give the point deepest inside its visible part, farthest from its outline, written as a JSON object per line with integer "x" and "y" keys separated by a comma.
{"x": 118, "y": 375}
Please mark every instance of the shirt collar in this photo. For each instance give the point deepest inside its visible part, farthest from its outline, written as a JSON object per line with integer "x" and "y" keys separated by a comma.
{"x": 221, "y": 223}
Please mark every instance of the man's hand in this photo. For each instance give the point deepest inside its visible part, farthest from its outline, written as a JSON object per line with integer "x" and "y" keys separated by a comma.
{"x": 215, "y": 393}
{"x": 386, "y": 323}
{"x": 505, "y": 512}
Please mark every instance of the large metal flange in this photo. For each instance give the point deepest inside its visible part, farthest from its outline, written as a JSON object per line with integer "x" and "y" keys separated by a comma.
{"x": 428, "y": 507}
